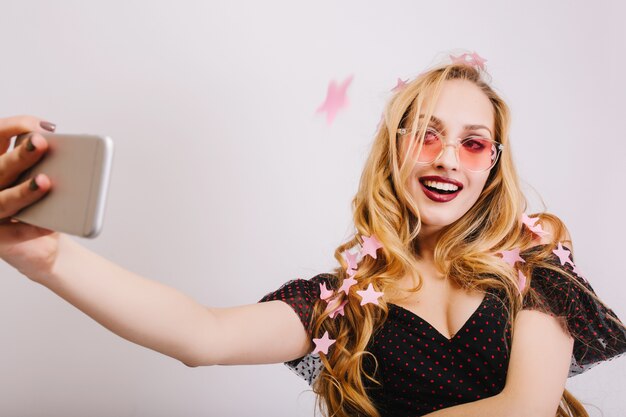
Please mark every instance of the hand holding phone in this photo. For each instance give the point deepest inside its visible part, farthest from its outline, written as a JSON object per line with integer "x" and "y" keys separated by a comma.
{"x": 79, "y": 167}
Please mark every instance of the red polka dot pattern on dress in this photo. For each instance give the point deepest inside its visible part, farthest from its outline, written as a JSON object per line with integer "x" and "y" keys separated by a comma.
{"x": 422, "y": 371}
{"x": 596, "y": 338}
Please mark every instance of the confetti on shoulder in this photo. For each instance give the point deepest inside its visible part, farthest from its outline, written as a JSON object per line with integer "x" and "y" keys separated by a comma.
{"x": 529, "y": 221}
{"x": 563, "y": 254}
{"x": 511, "y": 256}
{"x": 533, "y": 226}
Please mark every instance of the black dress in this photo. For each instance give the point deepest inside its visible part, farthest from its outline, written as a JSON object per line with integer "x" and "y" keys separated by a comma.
{"x": 422, "y": 371}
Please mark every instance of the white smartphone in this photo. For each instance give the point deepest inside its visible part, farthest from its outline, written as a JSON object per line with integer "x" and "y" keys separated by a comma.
{"x": 79, "y": 167}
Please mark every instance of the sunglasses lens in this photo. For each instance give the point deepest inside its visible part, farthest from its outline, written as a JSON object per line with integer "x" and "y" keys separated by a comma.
{"x": 476, "y": 154}
{"x": 430, "y": 149}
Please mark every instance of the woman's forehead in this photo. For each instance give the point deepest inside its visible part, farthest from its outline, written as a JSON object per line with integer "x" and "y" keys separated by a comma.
{"x": 460, "y": 103}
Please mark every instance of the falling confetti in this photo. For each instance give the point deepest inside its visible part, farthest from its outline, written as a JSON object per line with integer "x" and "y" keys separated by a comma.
{"x": 336, "y": 99}
{"x": 400, "y": 85}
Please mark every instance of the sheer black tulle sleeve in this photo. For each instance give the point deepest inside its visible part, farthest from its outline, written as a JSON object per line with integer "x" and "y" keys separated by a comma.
{"x": 301, "y": 295}
{"x": 596, "y": 337}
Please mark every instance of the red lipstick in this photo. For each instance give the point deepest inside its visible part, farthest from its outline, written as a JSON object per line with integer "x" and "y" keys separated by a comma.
{"x": 440, "y": 197}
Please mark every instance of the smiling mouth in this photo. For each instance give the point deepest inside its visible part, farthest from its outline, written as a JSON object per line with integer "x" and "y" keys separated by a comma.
{"x": 437, "y": 194}
{"x": 440, "y": 187}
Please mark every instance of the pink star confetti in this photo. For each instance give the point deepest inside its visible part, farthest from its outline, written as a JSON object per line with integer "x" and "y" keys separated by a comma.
{"x": 345, "y": 286}
{"x": 337, "y": 310}
{"x": 458, "y": 59}
{"x": 533, "y": 226}
{"x": 400, "y": 85}
{"x": 369, "y": 295}
{"x": 478, "y": 60}
{"x": 511, "y": 256}
{"x": 350, "y": 259}
{"x": 322, "y": 344}
{"x": 521, "y": 281}
{"x": 538, "y": 230}
{"x": 563, "y": 254}
{"x": 529, "y": 221}
{"x": 475, "y": 60}
{"x": 370, "y": 246}
{"x": 336, "y": 99}
{"x": 325, "y": 293}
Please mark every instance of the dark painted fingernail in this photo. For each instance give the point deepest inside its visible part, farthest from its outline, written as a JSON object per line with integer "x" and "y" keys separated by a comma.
{"x": 48, "y": 126}
{"x": 33, "y": 185}
{"x": 29, "y": 145}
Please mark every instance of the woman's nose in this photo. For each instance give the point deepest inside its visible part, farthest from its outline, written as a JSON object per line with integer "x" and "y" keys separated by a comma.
{"x": 448, "y": 158}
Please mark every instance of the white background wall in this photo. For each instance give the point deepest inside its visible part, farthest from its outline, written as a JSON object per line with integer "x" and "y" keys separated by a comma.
{"x": 226, "y": 184}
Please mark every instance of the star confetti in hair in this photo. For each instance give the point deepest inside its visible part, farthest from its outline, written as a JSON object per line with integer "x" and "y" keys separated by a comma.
{"x": 336, "y": 99}
{"x": 478, "y": 60}
{"x": 369, "y": 295}
{"x": 511, "y": 256}
{"x": 475, "y": 60}
{"x": 538, "y": 230}
{"x": 325, "y": 293}
{"x": 345, "y": 286}
{"x": 563, "y": 254}
{"x": 322, "y": 344}
{"x": 350, "y": 259}
{"x": 337, "y": 310}
{"x": 533, "y": 226}
{"x": 529, "y": 221}
{"x": 458, "y": 59}
{"x": 370, "y": 246}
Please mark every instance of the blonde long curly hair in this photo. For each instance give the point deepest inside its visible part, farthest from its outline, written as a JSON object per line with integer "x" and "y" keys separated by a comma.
{"x": 465, "y": 251}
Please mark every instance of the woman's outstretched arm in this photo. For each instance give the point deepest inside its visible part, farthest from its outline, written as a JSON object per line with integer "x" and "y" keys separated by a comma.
{"x": 162, "y": 318}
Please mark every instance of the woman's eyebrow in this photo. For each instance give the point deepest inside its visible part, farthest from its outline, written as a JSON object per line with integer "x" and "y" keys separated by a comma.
{"x": 436, "y": 121}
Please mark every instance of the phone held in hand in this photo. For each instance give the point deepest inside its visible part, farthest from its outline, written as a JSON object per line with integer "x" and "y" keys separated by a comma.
{"x": 79, "y": 167}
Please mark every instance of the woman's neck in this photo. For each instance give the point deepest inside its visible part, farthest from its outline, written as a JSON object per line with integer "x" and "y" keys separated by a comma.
{"x": 426, "y": 241}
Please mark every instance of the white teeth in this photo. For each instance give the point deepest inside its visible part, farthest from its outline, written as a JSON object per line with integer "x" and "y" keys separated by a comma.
{"x": 441, "y": 185}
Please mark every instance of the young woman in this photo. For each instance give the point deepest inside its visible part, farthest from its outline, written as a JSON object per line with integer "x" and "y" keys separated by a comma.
{"x": 448, "y": 301}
